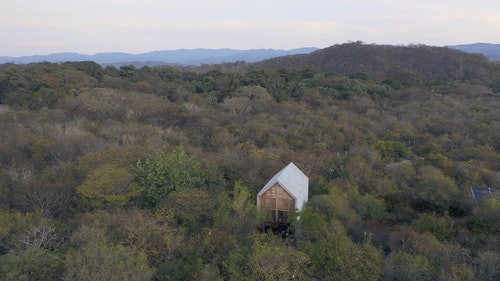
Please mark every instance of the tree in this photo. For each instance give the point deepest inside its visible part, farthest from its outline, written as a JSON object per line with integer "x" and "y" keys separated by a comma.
{"x": 488, "y": 265}
{"x": 5, "y": 183}
{"x": 485, "y": 218}
{"x": 99, "y": 260}
{"x": 166, "y": 172}
{"x": 246, "y": 100}
{"x": 458, "y": 272}
{"x": 333, "y": 255}
{"x": 191, "y": 207}
{"x": 38, "y": 196}
{"x": 152, "y": 235}
{"x": 32, "y": 264}
{"x": 107, "y": 186}
{"x": 370, "y": 207}
{"x": 22, "y": 231}
{"x": 268, "y": 258}
{"x": 335, "y": 205}
{"x": 402, "y": 173}
{"x": 433, "y": 191}
{"x": 237, "y": 214}
{"x": 437, "y": 226}
{"x": 410, "y": 267}
{"x": 90, "y": 68}
{"x": 393, "y": 149}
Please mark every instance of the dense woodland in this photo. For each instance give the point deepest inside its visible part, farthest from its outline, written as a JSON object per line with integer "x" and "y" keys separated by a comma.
{"x": 152, "y": 173}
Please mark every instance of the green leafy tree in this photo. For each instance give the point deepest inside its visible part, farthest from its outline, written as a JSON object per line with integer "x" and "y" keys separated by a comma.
{"x": 90, "y": 68}
{"x": 393, "y": 149}
{"x": 437, "y": 226}
{"x": 333, "y": 255}
{"x": 433, "y": 191}
{"x": 32, "y": 264}
{"x": 191, "y": 207}
{"x": 370, "y": 207}
{"x": 237, "y": 215}
{"x": 485, "y": 218}
{"x": 335, "y": 205}
{"x": 107, "y": 186}
{"x": 166, "y": 172}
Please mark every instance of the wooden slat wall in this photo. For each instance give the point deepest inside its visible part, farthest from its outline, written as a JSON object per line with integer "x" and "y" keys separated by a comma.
{"x": 277, "y": 200}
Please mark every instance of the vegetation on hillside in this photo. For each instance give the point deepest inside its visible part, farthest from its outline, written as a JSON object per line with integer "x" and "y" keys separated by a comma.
{"x": 151, "y": 173}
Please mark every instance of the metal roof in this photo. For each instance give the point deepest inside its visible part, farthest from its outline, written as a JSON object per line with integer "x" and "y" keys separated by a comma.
{"x": 294, "y": 181}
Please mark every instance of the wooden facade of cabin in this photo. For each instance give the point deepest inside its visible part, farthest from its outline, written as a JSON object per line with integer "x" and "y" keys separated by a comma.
{"x": 278, "y": 203}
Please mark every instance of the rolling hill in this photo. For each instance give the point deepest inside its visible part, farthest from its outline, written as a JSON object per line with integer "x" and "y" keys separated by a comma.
{"x": 386, "y": 61}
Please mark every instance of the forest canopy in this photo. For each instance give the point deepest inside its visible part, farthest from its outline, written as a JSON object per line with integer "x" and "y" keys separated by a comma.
{"x": 152, "y": 173}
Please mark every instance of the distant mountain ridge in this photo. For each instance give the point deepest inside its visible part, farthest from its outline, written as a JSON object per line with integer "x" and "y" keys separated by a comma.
{"x": 179, "y": 57}
{"x": 491, "y": 51}
{"x": 208, "y": 56}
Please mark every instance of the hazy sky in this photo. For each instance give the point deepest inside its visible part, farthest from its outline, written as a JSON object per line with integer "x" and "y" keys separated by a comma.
{"x": 30, "y": 27}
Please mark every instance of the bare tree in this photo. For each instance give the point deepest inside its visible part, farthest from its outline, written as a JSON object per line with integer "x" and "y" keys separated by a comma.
{"x": 40, "y": 236}
{"x": 44, "y": 198}
{"x": 487, "y": 265}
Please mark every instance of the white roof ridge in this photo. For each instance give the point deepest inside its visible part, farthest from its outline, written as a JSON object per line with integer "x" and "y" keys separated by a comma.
{"x": 293, "y": 180}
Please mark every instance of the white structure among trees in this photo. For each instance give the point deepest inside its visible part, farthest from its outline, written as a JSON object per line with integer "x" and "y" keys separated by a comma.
{"x": 287, "y": 191}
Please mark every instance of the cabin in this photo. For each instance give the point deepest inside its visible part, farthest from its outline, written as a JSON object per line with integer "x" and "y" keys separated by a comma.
{"x": 286, "y": 193}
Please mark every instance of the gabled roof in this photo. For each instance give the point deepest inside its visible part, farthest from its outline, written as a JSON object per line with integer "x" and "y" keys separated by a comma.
{"x": 293, "y": 181}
